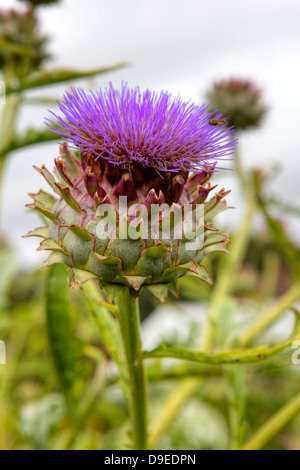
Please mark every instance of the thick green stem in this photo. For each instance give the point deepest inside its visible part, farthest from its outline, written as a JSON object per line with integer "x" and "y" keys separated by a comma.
{"x": 129, "y": 318}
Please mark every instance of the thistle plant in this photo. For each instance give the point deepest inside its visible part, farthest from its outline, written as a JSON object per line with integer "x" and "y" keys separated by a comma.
{"x": 157, "y": 154}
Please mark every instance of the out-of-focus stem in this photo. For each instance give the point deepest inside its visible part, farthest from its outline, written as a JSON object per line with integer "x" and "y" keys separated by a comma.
{"x": 129, "y": 318}
{"x": 274, "y": 425}
{"x": 176, "y": 400}
{"x": 7, "y": 129}
{"x": 272, "y": 314}
{"x": 8, "y": 118}
{"x": 239, "y": 170}
{"x": 227, "y": 272}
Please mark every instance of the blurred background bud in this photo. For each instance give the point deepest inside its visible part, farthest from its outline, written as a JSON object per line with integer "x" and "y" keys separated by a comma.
{"x": 239, "y": 100}
{"x": 23, "y": 46}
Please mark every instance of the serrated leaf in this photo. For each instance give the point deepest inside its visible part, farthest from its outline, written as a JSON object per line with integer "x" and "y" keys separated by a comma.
{"x": 104, "y": 267}
{"x": 202, "y": 274}
{"x": 43, "y": 211}
{"x": 110, "y": 290}
{"x": 171, "y": 274}
{"x": 160, "y": 291}
{"x": 72, "y": 164}
{"x": 174, "y": 288}
{"x": 51, "y": 245}
{"x": 67, "y": 196}
{"x": 80, "y": 277}
{"x": 54, "y": 258}
{"x": 80, "y": 232}
{"x": 48, "y": 177}
{"x": 215, "y": 238}
{"x": 44, "y": 200}
{"x": 154, "y": 260}
{"x": 42, "y": 232}
{"x": 134, "y": 281}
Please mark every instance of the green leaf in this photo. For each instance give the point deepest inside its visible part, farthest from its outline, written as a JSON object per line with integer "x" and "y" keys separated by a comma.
{"x": 30, "y": 137}
{"x": 51, "y": 77}
{"x": 238, "y": 356}
{"x": 65, "y": 350}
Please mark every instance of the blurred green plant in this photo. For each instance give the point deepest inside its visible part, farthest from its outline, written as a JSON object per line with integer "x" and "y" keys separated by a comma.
{"x": 23, "y": 54}
{"x": 240, "y": 103}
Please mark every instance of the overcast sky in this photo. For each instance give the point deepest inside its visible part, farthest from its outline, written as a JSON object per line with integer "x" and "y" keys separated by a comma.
{"x": 180, "y": 46}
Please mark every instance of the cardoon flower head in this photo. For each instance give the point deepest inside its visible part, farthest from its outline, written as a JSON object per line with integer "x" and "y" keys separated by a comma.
{"x": 239, "y": 100}
{"x": 156, "y": 152}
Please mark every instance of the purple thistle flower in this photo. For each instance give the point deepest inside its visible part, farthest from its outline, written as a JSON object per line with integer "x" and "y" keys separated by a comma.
{"x": 147, "y": 128}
